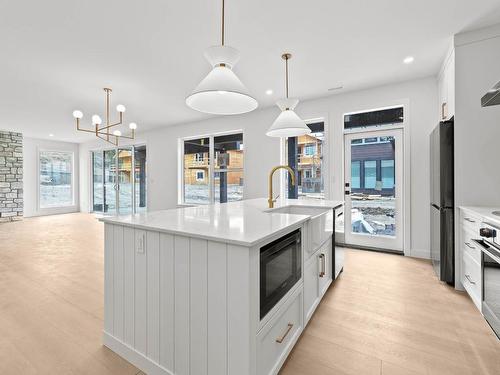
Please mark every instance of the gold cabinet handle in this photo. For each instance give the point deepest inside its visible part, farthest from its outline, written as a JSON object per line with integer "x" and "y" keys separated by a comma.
{"x": 279, "y": 340}
{"x": 322, "y": 260}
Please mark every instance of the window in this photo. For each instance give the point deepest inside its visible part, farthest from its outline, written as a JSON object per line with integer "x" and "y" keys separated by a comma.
{"x": 374, "y": 118}
{"x": 310, "y": 150}
{"x": 56, "y": 179}
{"x": 219, "y": 180}
{"x": 370, "y": 174}
{"x": 309, "y": 165}
{"x": 355, "y": 174}
{"x": 200, "y": 176}
{"x": 387, "y": 171}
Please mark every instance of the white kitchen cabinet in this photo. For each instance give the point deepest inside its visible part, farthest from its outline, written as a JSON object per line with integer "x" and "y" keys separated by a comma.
{"x": 311, "y": 287}
{"x": 472, "y": 279}
{"x": 446, "y": 87}
{"x": 317, "y": 278}
{"x": 278, "y": 336}
{"x": 470, "y": 255}
{"x": 325, "y": 267}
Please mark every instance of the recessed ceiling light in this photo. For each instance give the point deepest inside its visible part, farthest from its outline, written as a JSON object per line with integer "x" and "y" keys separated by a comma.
{"x": 269, "y": 92}
{"x": 409, "y": 59}
{"x": 51, "y": 135}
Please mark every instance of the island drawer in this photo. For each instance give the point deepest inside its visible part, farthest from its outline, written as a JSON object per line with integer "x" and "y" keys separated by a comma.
{"x": 278, "y": 336}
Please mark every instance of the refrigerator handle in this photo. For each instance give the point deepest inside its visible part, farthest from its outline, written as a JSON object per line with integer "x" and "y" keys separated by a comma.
{"x": 436, "y": 206}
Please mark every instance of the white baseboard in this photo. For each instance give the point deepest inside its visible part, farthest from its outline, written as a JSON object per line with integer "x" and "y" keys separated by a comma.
{"x": 139, "y": 360}
{"x": 419, "y": 253}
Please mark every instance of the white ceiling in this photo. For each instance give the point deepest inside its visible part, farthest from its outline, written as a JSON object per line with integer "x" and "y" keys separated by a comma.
{"x": 57, "y": 55}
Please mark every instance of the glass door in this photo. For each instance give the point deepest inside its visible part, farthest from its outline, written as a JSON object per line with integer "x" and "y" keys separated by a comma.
{"x": 110, "y": 184}
{"x": 125, "y": 181}
{"x": 140, "y": 178}
{"x": 119, "y": 180}
{"x": 373, "y": 189}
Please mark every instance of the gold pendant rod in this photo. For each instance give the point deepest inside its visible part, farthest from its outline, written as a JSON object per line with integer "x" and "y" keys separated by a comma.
{"x": 223, "y": 9}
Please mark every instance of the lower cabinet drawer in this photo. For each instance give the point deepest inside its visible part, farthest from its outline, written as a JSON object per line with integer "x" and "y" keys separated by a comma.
{"x": 278, "y": 336}
{"x": 469, "y": 247}
{"x": 472, "y": 279}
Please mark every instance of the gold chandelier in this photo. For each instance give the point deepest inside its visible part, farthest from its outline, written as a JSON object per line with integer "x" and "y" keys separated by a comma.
{"x": 103, "y": 132}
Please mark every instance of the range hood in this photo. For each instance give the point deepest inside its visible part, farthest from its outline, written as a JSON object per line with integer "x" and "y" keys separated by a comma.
{"x": 492, "y": 97}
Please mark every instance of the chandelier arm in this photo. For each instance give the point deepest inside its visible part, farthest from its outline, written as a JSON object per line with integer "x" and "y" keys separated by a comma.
{"x": 104, "y": 139}
{"x": 82, "y": 130}
{"x": 111, "y": 125}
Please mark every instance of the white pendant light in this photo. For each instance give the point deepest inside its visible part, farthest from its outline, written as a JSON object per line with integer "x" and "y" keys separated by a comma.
{"x": 221, "y": 91}
{"x": 288, "y": 124}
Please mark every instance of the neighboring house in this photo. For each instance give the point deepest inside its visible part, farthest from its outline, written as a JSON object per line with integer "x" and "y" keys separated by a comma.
{"x": 372, "y": 166}
{"x": 309, "y": 151}
{"x": 196, "y": 166}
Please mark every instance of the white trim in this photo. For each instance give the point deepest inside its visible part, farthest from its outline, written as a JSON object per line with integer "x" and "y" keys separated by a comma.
{"x": 325, "y": 162}
{"x": 50, "y": 210}
{"x": 406, "y": 127}
{"x": 420, "y": 253}
{"x": 384, "y": 242}
{"x": 133, "y": 356}
{"x": 475, "y": 36}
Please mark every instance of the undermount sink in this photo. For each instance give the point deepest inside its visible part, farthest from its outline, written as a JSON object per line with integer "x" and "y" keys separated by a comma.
{"x": 299, "y": 210}
{"x": 497, "y": 213}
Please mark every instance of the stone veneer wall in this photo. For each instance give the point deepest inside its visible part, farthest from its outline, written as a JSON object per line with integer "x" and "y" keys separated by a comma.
{"x": 11, "y": 176}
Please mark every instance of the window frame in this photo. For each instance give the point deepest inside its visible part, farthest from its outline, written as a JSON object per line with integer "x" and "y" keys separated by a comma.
{"x": 72, "y": 171}
{"x": 211, "y": 167}
{"x": 324, "y": 148}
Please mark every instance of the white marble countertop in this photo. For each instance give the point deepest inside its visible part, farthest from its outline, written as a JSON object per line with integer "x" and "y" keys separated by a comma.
{"x": 485, "y": 213}
{"x": 243, "y": 223}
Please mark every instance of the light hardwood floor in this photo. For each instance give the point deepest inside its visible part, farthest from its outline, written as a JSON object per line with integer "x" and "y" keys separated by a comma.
{"x": 385, "y": 315}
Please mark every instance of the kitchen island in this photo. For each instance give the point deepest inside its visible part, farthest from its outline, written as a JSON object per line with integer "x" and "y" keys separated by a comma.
{"x": 190, "y": 291}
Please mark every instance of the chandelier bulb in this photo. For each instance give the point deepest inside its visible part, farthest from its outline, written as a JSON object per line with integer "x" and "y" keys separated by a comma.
{"x": 120, "y": 108}
{"x": 117, "y": 133}
{"x": 77, "y": 114}
{"x": 96, "y": 120}
{"x": 132, "y": 125}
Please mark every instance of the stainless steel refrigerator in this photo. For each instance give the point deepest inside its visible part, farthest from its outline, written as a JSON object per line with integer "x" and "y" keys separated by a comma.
{"x": 442, "y": 202}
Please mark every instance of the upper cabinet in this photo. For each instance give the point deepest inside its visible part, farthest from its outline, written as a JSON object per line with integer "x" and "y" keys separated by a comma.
{"x": 446, "y": 87}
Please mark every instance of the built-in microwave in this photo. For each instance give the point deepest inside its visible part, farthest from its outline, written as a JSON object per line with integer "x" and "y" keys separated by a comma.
{"x": 280, "y": 269}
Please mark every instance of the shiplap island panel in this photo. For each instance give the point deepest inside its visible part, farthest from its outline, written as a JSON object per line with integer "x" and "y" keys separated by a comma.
{"x": 188, "y": 304}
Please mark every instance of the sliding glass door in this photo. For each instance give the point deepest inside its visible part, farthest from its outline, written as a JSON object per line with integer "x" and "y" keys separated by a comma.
{"x": 110, "y": 187}
{"x": 119, "y": 180}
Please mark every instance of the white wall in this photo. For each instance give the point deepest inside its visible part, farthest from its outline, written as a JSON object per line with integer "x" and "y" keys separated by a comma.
{"x": 262, "y": 152}
{"x": 477, "y": 129}
{"x": 31, "y": 147}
